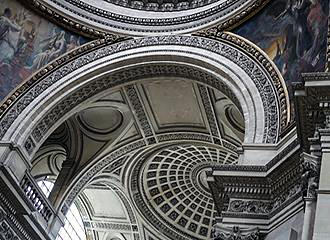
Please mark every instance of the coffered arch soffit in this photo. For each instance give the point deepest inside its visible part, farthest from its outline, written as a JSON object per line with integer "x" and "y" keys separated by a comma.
{"x": 141, "y": 18}
{"x": 44, "y": 101}
{"x": 167, "y": 180}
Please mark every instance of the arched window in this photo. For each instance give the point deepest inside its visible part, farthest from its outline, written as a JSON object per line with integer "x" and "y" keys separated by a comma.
{"x": 73, "y": 228}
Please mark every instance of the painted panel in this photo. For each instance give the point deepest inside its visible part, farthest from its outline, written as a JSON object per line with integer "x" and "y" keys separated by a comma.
{"x": 27, "y": 43}
{"x": 293, "y": 33}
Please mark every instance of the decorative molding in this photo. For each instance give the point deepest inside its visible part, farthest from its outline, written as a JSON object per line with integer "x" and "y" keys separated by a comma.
{"x": 227, "y": 14}
{"x": 265, "y": 78}
{"x": 237, "y": 195}
{"x": 138, "y": 110}
{"x": 235, "y": 233}
{"x": 6, "y": 231}
{"x": 155, "y": 6}
{"x": 214, "y": 128}
{"x": 184, "y": 136}
{"x": 264, "y": 60}
{"x": 250, "y": 206}
{"x": 120, "y": 227}
{"x": 263, "y": 207}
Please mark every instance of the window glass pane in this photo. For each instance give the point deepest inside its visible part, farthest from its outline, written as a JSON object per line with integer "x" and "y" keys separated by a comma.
{"x": 74, "y": 227}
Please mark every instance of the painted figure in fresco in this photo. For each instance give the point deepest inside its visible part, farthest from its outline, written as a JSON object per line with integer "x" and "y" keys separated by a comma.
{"x": 304, "y": 37}
{"x": 9, "y": 36}
{"x": 316, "y": 21}
{"x": 54, "y": 47}
{"x": 74, "y": 43}
{"x": 293, "y": 34}
{"x": 27, "y": 42}
{"x": 296, "y": 9}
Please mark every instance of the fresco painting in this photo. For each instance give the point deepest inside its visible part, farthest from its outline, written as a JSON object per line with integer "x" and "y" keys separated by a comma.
{"x": 27, "y": 43}
{"x": 294, "y": 35}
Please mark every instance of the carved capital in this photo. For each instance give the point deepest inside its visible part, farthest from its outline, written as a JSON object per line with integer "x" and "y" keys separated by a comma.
{"x": 310, "y": 175}
{"x": 220, "y": 232}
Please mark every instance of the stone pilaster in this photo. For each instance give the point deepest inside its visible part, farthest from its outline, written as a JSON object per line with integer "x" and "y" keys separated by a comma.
{"x": 322, "y": 227}
{"x": 310, "y": 179}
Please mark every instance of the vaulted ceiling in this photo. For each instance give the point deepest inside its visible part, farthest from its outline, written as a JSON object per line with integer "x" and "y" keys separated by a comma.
{"x": 167, "y": 183}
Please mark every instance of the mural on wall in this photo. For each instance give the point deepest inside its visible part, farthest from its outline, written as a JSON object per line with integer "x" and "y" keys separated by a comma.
{"x": 293, "y": 33}
{"x": 27, "y": 43}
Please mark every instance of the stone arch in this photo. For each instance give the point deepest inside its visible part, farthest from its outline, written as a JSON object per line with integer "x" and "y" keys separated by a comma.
{"x": 230, "y": 64}
{"x": 252, "y": 79}
{"x": 112, "y": 184}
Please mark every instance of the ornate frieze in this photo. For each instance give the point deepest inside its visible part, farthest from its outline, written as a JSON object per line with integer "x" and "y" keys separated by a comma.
{"x": 263, "y": 207}
{"x": 184, "y": 136}
{"x": 257, "y": 192}
{"x": 250, "y": 206}
{"x": 103, "y": 225}
{"x": 235, "y": 233}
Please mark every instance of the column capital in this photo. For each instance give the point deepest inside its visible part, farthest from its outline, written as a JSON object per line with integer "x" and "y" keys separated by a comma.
{"x": 221, "y": 232}
{"x": 310, "y": 175}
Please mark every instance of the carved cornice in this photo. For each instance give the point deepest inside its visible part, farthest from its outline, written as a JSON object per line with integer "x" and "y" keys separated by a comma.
{"x": 92, "y": 18}
{"x": 260, "y": 168}
{"x": 312, "y": 103}
{"x": 257, "y": 196}
{"x": 235, "y": 21}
